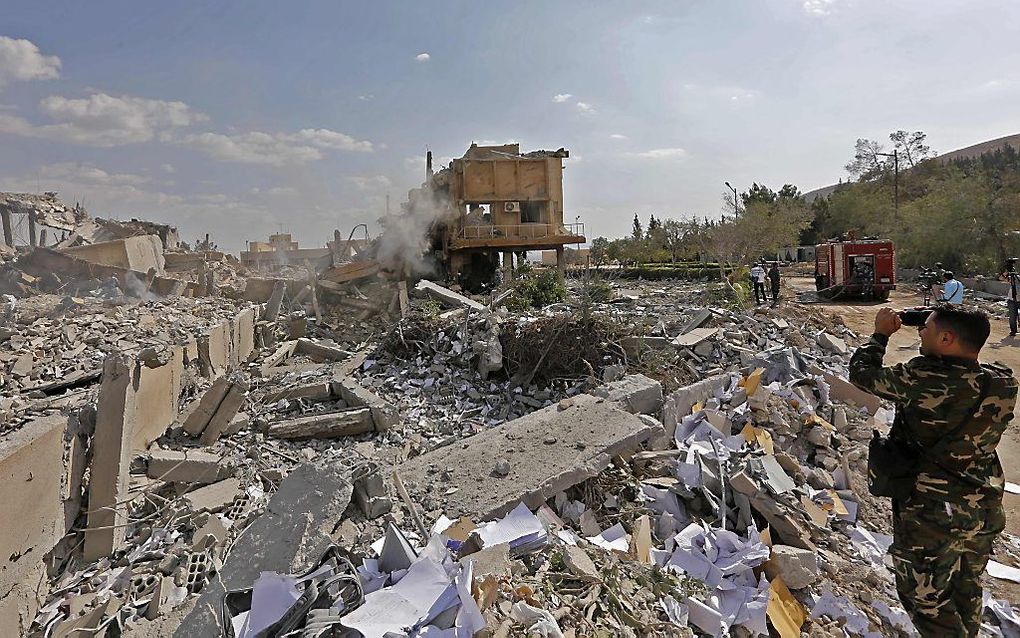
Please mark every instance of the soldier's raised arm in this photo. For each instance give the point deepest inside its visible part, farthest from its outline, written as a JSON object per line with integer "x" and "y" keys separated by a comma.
{"x": 866, "y": 369}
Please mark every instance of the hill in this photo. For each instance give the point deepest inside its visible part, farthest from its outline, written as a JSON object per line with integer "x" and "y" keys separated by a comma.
{"x": 968, "y": 151}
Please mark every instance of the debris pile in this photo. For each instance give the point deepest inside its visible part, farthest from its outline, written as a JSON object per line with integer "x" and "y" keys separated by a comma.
{"x": 365, "y": 456}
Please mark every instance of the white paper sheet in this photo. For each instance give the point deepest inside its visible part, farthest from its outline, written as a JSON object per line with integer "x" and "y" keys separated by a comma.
{"x": 272, "y": 595}
{"x": 613, "y": 539}
{"x": 518, "y": 527}
{"x": 1005, "y": 572}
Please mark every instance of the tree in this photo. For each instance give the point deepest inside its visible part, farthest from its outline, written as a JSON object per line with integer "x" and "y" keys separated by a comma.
{"x": 653, "y": 224}
{"x": 867, "y": 163}
{"x": 911, "y": 147}
{"x": 637, "y": 233}
{"x": 674, "y": 238}
{"x": 599, "y": 251}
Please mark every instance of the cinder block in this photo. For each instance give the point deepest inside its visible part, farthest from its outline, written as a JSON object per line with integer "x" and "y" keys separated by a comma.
{"x": 384, "y": 414}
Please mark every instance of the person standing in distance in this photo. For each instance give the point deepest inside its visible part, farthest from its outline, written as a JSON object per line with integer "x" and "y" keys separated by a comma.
{"x": 758, "y": 281}
{"x": 952, "y": 290}
{"x": 951, "y": 412}
{"x": 1013, "y": 306}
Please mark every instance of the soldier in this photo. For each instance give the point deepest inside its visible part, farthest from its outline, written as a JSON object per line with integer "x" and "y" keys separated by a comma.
{"x": 774, "y": 281}
{"x": 951, "y": 411}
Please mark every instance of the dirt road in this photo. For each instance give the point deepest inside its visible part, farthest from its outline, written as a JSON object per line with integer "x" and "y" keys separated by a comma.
{"x": 860, "y": 316}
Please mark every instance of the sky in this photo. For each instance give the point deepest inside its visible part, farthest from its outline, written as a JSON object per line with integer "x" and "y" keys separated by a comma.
{"x": 242, "y": 118}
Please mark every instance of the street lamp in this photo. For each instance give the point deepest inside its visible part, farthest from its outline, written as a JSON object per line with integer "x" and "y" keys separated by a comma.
{"x": 895, "y": 155}
{"x": 736, "y": 205}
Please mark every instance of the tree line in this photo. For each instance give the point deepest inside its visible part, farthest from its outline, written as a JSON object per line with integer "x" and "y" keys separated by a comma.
{"x": 963, "y": 212}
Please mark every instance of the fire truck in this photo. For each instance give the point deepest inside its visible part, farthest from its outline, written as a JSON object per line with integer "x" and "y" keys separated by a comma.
{"x": 850, "y": 267}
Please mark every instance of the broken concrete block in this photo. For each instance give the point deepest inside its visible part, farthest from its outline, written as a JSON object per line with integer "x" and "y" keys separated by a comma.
{"x": 108, "y": 483}
{"x": 272, "y": 311}
{"x": 324, "y": 426}
{"x": 832, "y": 343}
{"x": 699, "y": 319}
{"x": 588, "y": 434}
{"x": 199, "y": 417}
{"x": 635, "y": 393}
{"x": 384, "y": 414}
{"x": 580, "y": 564}
{"x": 797, "y": 567}
{"x": 446, "y": 296}
{"x": 315, "y": 392}
{"x": 140, "y": 253}
{"x": 186, "y": 466}
{"x": 370, "y": 495}
{"x": 695, "y": 337}
{"x": 288, "y": 538}
{"x": 225, "y": 412}
{"x": 635, "y": 345}
{"x": 843, "y": 390}
{"x": 213, "y": 497}
{"x": 214, "y": 350}
{"x": 678, "y": 404}
{"x": 320, "y": 352}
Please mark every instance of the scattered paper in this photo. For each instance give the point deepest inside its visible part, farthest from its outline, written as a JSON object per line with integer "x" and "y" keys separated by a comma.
{"x": 519, "y": 527}
{"x": 1005, "y": 572}
{"x": 614, "y": 539}
{"x": 1003, "y": 612}
{"x": 538, "y": 621}
{"x": 1012, "y": 488}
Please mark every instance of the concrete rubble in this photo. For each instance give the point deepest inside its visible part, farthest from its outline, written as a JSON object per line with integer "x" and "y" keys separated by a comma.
{"x": 644, "y": 466}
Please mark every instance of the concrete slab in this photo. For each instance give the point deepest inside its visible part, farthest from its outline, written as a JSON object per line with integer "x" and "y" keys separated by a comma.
{"x": 158, "y": 392}
{"x": 446, "y": 296}
{"x": 635, "y": 393}
{"x": 324, "y": 426}
{"x": 213, "y": 497}
{"x": 288, "y": 538}
{"x": 384, "y": 414}
{"x": 108, "y": 482}
{"x": 214, "y": 350}
{"x": 200, "y": 416}
{"x": 187, "y": 466}
{"x": 31, "y": 470}
{"x": 843, "y": 390}
{"x": 140, "y": 253}
{"x": 699, "y": 319}
{"x": 547, "y": 451}
{"x": 226, "y": 410}
{"x": 694, "y": 337}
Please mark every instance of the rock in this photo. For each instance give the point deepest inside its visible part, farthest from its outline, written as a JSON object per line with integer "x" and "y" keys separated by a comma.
{"x": 819, "y": 436}
{"x": 797, "y": 567}
{"x": 832, "y": 343}
{"x": 839, "y": 420}
{"x": 613, "y": 372}
{"x": 580, "y": 564}
{"x": 502, "y": 468}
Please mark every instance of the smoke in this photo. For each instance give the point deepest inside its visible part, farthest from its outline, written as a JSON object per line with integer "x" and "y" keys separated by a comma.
{"x": 405, "y": 243}
{"x": 136, "y": 287}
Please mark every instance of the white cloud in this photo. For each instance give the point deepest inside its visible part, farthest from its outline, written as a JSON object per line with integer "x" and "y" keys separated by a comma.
{"x": 325, "y": 138}
{"x": 423, "y": 57}
{"x": 560, "y": 98}
{"x": 104, "y": 120}
{"x": 617, "y": 136}
{"x": 661, "y": 154}
{"x": 22, "y": 60}
{"x": 168, "y": 168}
{"x": 366, "y": 97}
{"x": 736, "y": 95}
{"x": 585, "y": 107}
{"x": 370, "y": 182}
{"x": 86, "y": 174}
{"x": 819, "y": 7}
{"x": 277, "y": 149}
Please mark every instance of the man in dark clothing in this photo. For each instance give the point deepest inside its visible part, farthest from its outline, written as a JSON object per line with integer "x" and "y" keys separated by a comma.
{"x": 1012, "y": 300}
{"x": 774, "y": 281}
{"x": 951, "y": 410}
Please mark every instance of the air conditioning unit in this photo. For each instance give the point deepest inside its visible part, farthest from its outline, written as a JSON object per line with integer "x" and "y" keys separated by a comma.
{"x": 511, "y": 207}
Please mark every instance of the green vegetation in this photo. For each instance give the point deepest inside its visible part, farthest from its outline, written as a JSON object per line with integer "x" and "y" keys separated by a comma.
{"x": 963, "y": 212}
{"x": 535, "y": 289}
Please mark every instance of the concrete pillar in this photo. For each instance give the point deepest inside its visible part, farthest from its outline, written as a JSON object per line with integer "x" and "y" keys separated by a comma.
{"x": 31, "y": 230}
{"x": 508, "y": 265}
{"x": 108, "y": 482}
{"x": 561, "y": 261}
{"x": 5, "y": 215}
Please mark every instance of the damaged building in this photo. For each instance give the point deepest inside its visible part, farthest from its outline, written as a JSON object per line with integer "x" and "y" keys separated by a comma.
{"x": 491, "y": 205}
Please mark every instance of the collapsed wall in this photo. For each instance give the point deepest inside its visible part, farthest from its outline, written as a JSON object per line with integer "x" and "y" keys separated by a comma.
{"x": 43, "y": 462}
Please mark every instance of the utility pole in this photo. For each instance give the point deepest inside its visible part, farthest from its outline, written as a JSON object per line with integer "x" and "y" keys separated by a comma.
{"x": 895, "y": 155}
{"x": 736, "y": 204}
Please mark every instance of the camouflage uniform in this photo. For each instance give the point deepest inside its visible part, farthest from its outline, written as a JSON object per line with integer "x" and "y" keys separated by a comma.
{"x": 943, "y": 532}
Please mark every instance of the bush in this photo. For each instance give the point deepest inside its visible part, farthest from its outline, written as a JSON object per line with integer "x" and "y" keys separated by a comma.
{"x": 535, "y": 289}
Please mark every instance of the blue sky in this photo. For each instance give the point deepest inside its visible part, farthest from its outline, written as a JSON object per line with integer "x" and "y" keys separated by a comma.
{"x": 241, "y": 118}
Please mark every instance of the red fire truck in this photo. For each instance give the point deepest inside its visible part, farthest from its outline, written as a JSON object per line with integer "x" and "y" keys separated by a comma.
{"x": 850, "y": 267}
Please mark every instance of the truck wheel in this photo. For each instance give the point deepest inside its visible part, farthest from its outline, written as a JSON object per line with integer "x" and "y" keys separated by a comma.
{"x": 882, "y": 295}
